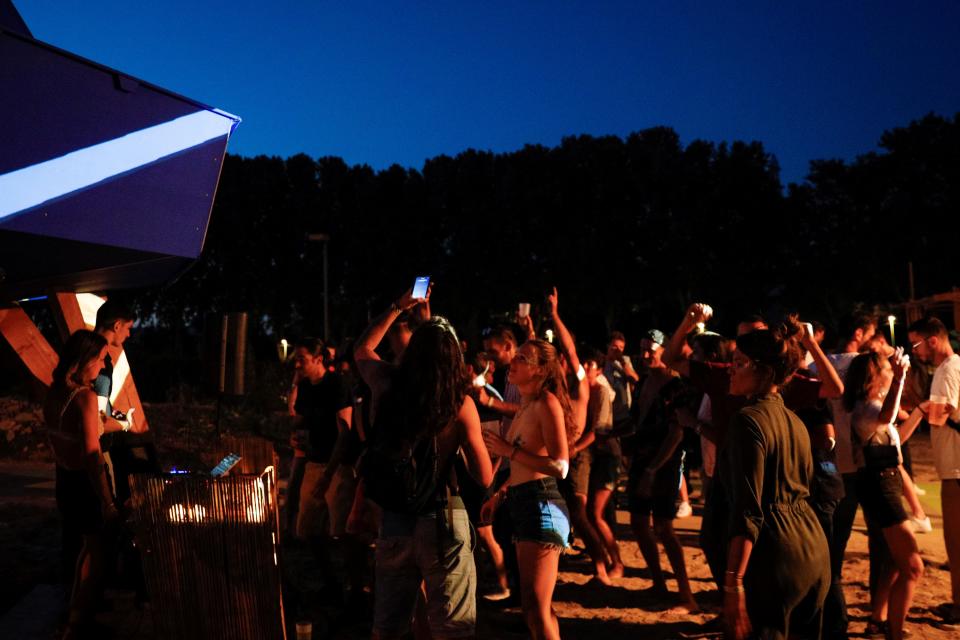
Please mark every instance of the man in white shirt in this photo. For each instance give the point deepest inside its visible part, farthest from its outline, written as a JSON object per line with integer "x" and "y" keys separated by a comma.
{"x": 930, "y": 343}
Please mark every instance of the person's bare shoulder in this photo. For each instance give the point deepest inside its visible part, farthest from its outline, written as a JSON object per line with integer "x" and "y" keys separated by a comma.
{"x": 86, "y": 399}
{"x": 467, "y": 411}
{"x": 548, "y": 404}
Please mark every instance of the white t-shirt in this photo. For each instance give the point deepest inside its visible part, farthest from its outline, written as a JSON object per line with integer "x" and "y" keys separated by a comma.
{"x": 841, "y": 419}
{"x": 944, "y": 440}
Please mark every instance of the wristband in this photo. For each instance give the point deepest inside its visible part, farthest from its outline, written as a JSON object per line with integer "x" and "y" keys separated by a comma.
{"x": 395, "y": 307}
{"x": 489, "y": 401}
{"x": 736, "y": 589}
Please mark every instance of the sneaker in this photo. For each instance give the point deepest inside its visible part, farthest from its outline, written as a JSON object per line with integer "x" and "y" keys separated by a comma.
{"x": 497, "y": 596}
{"x": 684, "y": 510}
{"x": 921, "y": 526}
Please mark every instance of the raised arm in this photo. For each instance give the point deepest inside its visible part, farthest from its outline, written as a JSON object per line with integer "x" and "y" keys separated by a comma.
{"x": 567, "y": 344}
{"x": 673, "y": 355}
{"x": 365, "y": 350}
{"x": 891, "y": 403}
{"x": 831, "y": 386}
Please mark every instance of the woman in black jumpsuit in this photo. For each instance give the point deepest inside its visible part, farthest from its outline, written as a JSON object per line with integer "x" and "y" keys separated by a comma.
{"x": 778, "y": 563}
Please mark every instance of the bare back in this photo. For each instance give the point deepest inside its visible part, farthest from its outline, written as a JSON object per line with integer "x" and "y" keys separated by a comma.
{"x": 64, "y": 420}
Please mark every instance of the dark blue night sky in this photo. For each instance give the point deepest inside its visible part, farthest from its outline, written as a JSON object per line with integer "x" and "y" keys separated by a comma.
{"x": 383, "y": 83}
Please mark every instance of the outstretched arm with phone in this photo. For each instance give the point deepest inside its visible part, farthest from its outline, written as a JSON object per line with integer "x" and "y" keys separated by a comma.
{"x": 369, "y": 364}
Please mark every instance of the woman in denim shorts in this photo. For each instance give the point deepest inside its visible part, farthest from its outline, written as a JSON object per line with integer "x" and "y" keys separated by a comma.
{"x": 536, "y": 445}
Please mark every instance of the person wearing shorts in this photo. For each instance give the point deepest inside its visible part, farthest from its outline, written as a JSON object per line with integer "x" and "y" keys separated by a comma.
{"x": 872, "y": 396}
{"x": 605, "y": 461}
{"x": 654, "y": 486}
{"x": 539, "y": 513}
{"x": 536, "y": 445}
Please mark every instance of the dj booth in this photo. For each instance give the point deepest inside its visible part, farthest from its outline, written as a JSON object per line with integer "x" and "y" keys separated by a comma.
{"x": 208, "y": 544}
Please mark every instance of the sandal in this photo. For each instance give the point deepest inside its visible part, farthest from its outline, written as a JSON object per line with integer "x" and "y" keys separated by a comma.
{"x": 875, "y": 629}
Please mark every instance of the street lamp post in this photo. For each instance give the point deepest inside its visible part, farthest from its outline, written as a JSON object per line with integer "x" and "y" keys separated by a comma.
{"x": 325, "y": 239}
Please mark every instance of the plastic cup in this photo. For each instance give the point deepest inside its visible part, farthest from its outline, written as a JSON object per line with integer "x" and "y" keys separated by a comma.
{"x": 523, "y": 310}
{"x": 304, "y": 631}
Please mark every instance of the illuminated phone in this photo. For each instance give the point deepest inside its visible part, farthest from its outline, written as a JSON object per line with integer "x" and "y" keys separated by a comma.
{"x": 420, "y": 287}
{"x": 225, "y": 465}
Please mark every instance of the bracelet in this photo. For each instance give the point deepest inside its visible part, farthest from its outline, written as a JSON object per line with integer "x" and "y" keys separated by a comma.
{"x": 734, "y": 574}
{"x": 395, "y": 307}
{"x": 737, "y": 589}
{"x": 489, "y": 402}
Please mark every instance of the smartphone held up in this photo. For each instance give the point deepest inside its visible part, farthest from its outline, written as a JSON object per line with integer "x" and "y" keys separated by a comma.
{"x": 420, "y": 287}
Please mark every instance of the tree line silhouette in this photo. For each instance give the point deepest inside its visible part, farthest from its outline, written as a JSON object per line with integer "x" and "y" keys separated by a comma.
{"x": 629, "y": 229}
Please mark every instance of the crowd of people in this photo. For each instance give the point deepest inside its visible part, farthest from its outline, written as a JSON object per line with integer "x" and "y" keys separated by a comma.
{"x": 435, "y": 447}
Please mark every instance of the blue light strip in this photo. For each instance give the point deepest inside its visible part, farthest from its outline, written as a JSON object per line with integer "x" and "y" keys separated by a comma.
{"x": 32, "y": 186}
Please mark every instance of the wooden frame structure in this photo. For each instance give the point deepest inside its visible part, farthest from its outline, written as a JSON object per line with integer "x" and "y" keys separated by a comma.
{"x": 944, "y": 302}
{"x": 72, "y": 311}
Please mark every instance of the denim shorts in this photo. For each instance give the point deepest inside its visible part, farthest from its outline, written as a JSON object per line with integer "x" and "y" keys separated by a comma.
{"x": 881, "y": 496}
{"x": 539, "y": 513}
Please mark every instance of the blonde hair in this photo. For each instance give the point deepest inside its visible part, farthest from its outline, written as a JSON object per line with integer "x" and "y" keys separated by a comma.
{"x": 555, "y": 382}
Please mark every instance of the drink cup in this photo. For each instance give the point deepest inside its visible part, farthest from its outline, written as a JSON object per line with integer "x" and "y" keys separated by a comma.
{"x": 523, "y": 310}
{"x": 304, "y": 631}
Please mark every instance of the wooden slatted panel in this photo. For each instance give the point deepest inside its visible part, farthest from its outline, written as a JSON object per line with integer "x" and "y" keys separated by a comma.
{"x": 256, "y": 453}
{"x": 210, "y": 555}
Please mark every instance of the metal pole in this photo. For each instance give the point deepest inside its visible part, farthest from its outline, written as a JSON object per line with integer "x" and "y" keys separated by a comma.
{"x": 326, "y": 294}
{"x": 325, "y": 239}
{"x": 913, "y": 293}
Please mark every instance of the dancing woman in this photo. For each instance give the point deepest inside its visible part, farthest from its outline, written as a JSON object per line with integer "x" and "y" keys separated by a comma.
{"x": 872, "y": 396}
{"x": 536, "y": 445}
{"x": 777, "y": 562}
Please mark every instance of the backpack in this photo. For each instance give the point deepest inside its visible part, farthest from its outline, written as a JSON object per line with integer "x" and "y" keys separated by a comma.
{"x": 401, "y": 473}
